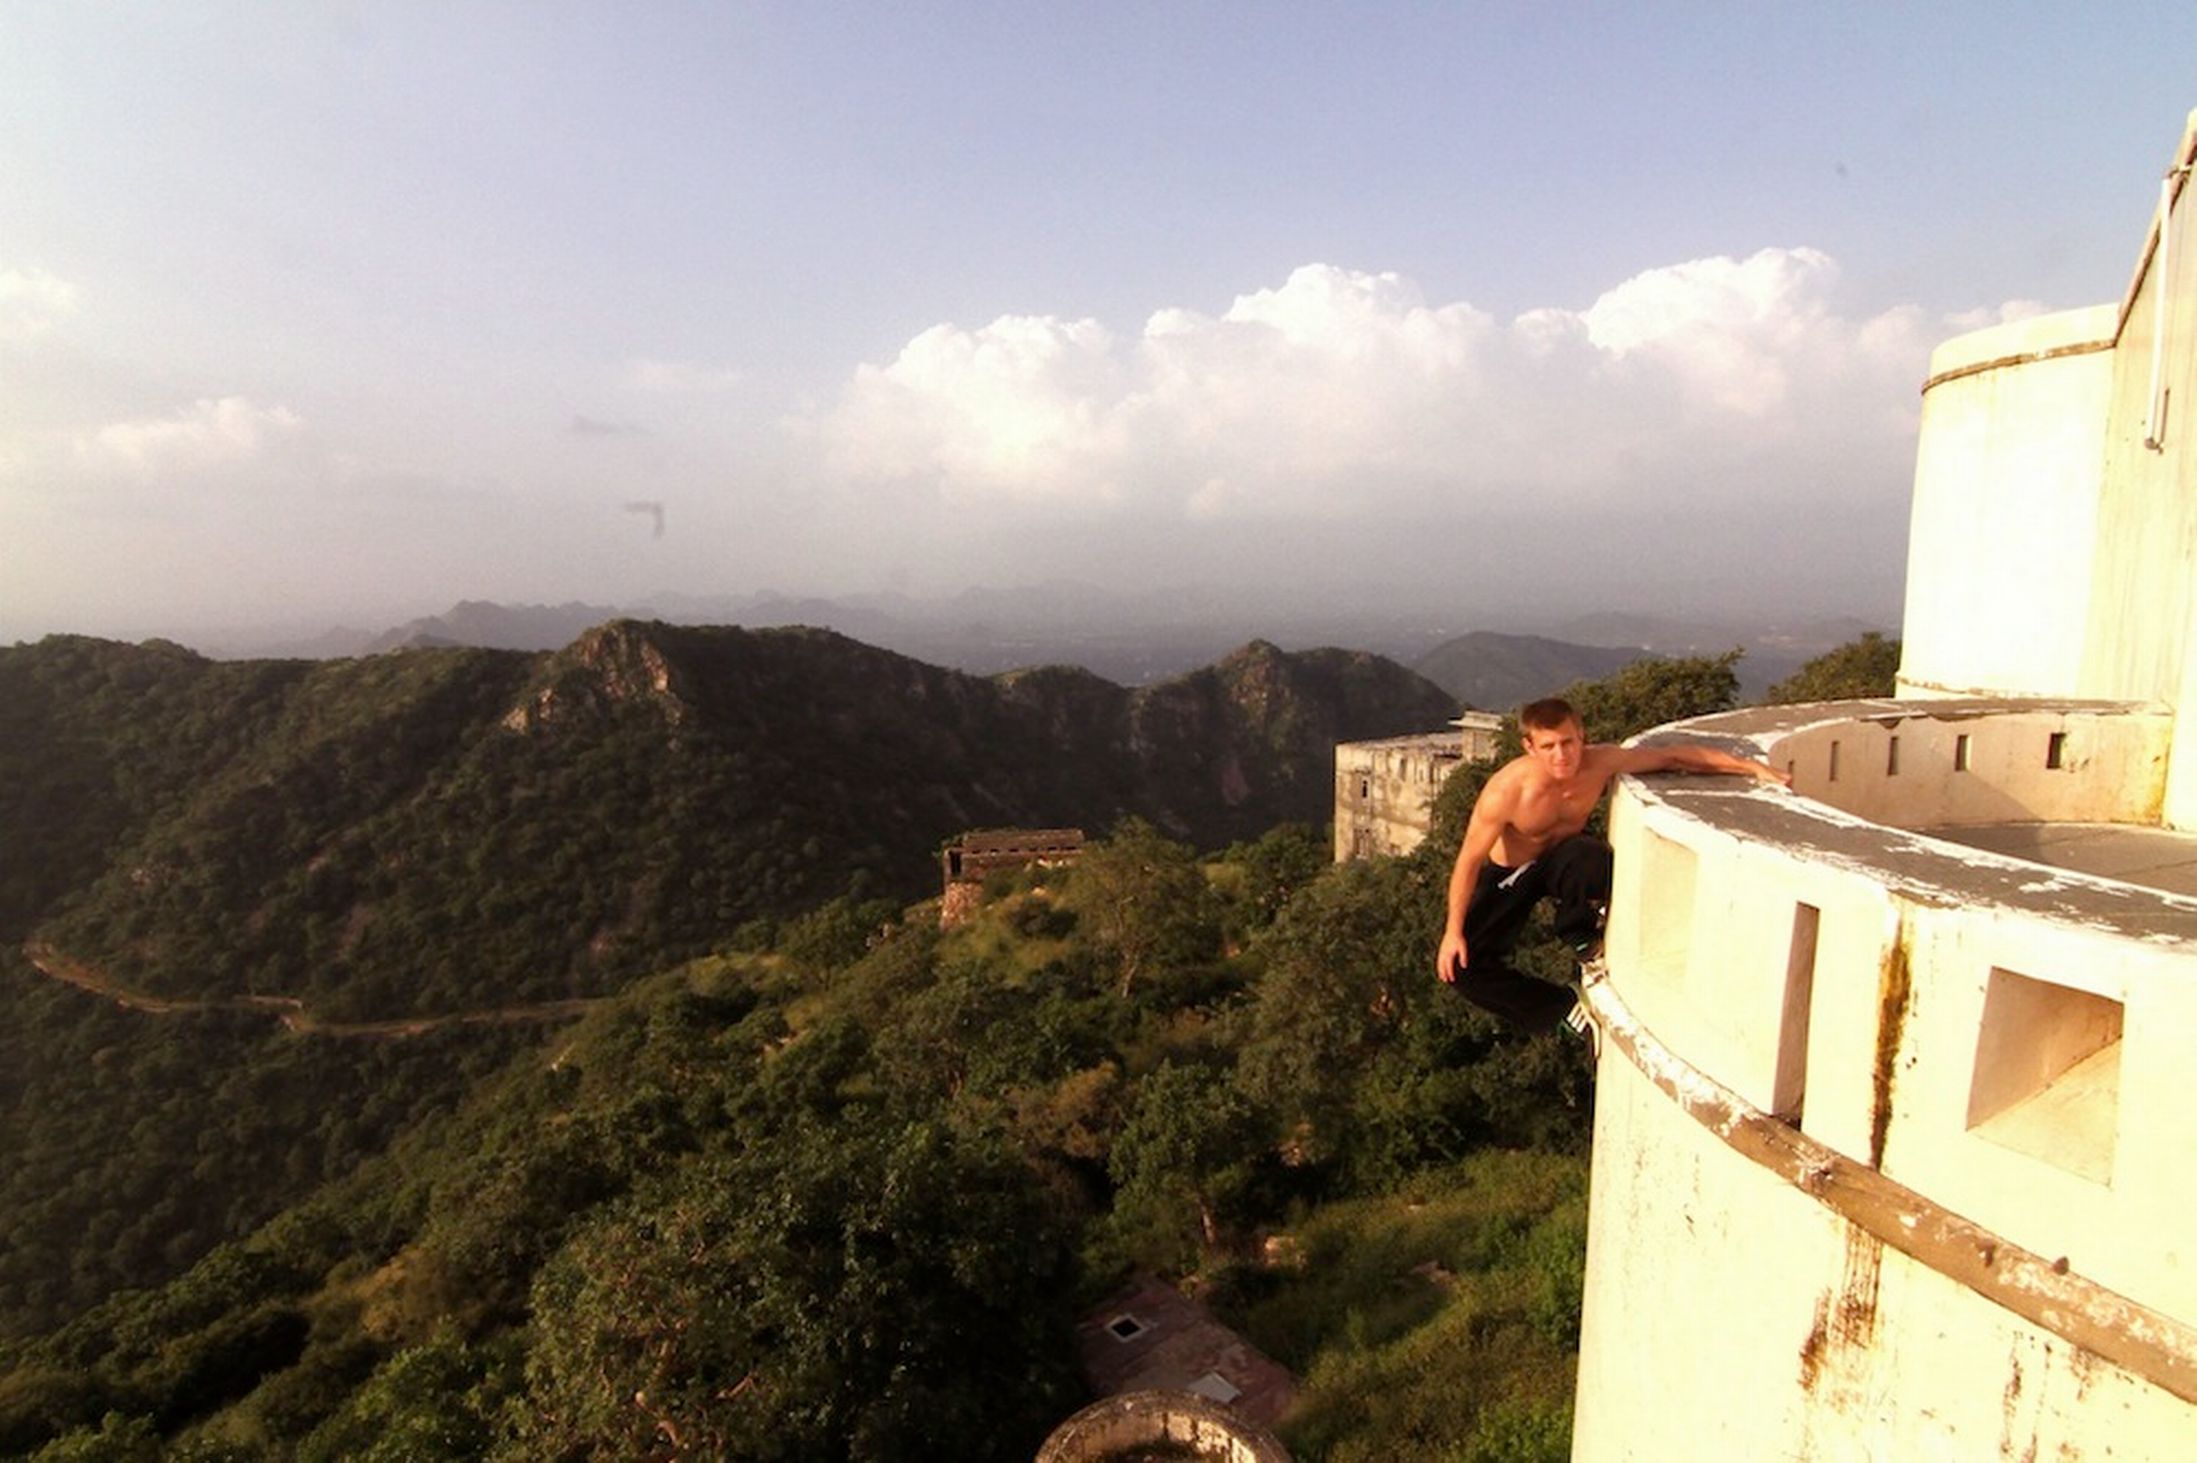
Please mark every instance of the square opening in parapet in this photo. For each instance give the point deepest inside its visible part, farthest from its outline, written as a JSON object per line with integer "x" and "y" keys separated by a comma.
{"x": 2047, "y": 1080}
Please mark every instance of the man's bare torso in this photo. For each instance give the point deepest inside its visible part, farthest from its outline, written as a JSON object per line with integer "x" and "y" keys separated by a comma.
{"x": 1548, "y": 809}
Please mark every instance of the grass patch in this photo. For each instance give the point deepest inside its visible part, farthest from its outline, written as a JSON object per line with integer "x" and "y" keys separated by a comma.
{"x": 1440, "y": 1322}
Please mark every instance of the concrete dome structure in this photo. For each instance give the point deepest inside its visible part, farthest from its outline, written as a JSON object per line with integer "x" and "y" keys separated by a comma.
{"x": 1893, "y": 1156}
{"x": 1160, "y": 1423}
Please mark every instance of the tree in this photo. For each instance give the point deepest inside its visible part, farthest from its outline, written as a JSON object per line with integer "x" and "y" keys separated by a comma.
{"x": 1283, "y": 861}
{"x": 880, "y": 1292}
{"x": 1654, "y": 691}
{"x": 1343, "y": 963}
{"x": 1191, "y": 1136}
{"x": 1866, "y": 667}
{"x": 1144, "y": 901}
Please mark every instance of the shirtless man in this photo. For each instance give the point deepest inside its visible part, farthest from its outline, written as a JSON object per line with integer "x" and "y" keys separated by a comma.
{"x": 1524, "y": 843}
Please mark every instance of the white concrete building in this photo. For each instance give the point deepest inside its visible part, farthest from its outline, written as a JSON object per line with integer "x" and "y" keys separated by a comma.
{"x": 1385, "y": 789}
{"x": 1894, "y": 1154}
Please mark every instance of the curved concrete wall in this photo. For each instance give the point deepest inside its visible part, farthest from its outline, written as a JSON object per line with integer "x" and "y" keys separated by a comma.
{"x": 2007, "y": 472}
{"x": 1127, "y": 1425}
{"x": 1946, "y": 762}
{"x": 1907, "y": 1175}
{"x": 2054, "y": 530}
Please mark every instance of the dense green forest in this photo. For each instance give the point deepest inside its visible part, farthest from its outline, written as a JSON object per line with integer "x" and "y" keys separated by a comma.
{"x": 817, "y": 1180}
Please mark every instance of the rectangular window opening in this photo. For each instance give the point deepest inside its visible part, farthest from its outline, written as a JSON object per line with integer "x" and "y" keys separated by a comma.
{"x": 1891, "y": 758}
{"x": 1790, "y": 1090}
{"x": 2055, "y": 751}
{"x": 1834, "y": 762}
{"x": 1960, "y": 753}
{"x": 1125, "y": 1328}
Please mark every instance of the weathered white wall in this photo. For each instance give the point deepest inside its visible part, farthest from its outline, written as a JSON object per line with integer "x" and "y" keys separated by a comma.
{"x": 2141, "y": 638}
{"x": 1730, "y": 1316}
{"x": 1989, "y": 1046}
{"x": 1937, "y": 764}
{"x": 1728, "y": 1312}
{"x": 2053, "y": 546}
{"x": 2005, "y": 508}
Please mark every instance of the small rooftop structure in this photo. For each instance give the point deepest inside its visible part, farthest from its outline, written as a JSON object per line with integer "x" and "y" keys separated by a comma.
{"x": 1149, "y": 1335}
{"x": 969, "y": 860}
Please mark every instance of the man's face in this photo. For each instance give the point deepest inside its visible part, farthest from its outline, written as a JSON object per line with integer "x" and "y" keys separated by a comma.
{"x": 1557, "y": 748}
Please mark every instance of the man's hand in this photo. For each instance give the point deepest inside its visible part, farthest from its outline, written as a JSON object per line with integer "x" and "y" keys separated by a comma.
{"x": 1449, "y": 961}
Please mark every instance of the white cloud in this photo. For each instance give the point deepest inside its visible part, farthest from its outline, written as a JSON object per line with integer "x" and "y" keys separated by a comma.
{"x": 1339, "y": 392}
{"x": 1024, "y": 407}
{"x": 31, "y": 302}
{"x": 210, "y": 433}
{"x": 2004, "y": 314}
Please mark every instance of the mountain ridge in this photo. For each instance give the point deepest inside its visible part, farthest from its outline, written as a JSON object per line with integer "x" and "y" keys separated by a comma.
{"x": 433, "y": 830}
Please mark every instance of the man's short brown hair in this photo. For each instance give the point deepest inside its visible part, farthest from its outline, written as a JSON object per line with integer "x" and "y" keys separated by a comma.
{"x": 1546, "y": 714}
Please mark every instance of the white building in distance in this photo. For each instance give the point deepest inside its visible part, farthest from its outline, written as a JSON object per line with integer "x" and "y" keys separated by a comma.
{"x": 1385, "y": 789}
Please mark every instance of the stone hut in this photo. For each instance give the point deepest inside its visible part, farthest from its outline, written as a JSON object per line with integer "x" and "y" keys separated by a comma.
{"x": 969, "y": 860}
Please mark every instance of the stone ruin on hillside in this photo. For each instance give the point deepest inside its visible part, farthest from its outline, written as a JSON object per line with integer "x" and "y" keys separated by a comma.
{"x": 974, "y": 857}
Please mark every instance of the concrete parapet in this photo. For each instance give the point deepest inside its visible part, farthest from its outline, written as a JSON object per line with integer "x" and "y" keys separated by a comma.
{"x": 1136, "y": 1425}
{"x": 1997, "y": 1047}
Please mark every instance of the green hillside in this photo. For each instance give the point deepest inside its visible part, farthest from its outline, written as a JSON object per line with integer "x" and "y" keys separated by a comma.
{"x": 817, "y": 1205}
{"x": 809, "y": 1178}
{"x": 442, "y": 830}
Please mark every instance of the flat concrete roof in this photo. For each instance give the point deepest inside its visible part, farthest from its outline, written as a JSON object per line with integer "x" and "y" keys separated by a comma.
{"x": 1935, "y": 870}
{"x": 1444, "y": 743}
{"x": 2155, "y": 858}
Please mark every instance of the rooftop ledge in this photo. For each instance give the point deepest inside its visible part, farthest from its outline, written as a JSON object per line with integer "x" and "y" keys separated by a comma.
{"x": 1959, "y": 803}
{"x": 1866, "y": 961}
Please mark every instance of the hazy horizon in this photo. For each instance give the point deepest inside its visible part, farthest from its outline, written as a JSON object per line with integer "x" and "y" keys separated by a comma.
{"x": 329, "y": 316}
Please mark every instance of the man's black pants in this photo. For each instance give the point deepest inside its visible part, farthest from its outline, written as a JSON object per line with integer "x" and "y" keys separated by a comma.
{"x": 1576, "y": 874}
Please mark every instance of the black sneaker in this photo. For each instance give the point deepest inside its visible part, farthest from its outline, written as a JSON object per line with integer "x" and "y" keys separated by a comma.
{"x": 1587, "y": 945}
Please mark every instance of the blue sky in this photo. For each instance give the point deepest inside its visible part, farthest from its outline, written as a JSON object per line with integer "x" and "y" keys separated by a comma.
{"x": 318, "y": 312}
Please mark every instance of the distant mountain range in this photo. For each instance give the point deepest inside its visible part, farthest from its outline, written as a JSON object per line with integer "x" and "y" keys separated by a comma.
{"x": 1495, "y": 672}
{"x": 1133, "y": 641}
{"x": 433, "y": 828}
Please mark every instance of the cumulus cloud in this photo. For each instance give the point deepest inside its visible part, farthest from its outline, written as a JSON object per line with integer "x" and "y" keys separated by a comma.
{"x": 1339, "y": 391}
{"x": 210, "y": 433}
{"x": 1024, "y": 406}
{"x": 31, "y": 302}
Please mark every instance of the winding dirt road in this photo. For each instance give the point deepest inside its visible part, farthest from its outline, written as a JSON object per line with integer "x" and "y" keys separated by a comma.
{"x": 289, "y": 1010}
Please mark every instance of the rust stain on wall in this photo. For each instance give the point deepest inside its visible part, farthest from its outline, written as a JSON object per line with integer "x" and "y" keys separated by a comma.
{"x": 1895, "y": 987}
{"x": 1811, "y": 1349}
{"x": 2015, "y": 1440}
{"x": 1846, "y": 1314}
{"x": 1858, "y": 1287}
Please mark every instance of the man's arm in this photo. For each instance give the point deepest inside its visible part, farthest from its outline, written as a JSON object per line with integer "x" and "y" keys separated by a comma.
{"x": 1490, "y": 815}
{"x": 1688, "y": 757}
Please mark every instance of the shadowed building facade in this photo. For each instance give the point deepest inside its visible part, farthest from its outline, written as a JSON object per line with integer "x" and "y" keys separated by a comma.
{"x": 1385, "y": 789}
